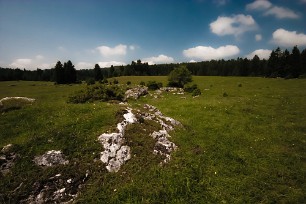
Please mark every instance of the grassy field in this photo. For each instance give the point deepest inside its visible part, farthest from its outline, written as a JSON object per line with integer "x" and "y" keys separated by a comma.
{"x": 243, "y": 141}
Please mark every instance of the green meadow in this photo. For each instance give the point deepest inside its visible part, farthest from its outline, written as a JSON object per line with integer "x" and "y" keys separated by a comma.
{"x": 243, "y": 140}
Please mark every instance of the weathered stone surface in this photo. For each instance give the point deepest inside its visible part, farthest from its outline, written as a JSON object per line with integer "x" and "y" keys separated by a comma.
{"x": 115, "y": 153}
{"x": 56, "y": 189}
{"x": 51, "y": 158}
{"x": 6, "y": 148}
{"x": 7, "y": 159}
{"x": 174, "y": 90}
{"x": 136, "y": 92}
{"x": 163, "y": 145}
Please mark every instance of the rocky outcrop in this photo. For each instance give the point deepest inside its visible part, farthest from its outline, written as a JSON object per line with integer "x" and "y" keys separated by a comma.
{"x": 115, "y": 152}
{"x": 173, "y": 90}
{"x": 51, "y": 158}
{"x": 56, "y": 189}
{"x": 7, "y": 159}
{"x": 163, "y": 145}
{"x": 8, "y": 103}
{"x": 136, "y": 92}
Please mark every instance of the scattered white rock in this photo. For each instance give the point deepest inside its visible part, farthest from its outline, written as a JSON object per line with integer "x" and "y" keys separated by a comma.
{"x": 136, "y": 92}
{"x": 163, "y": 145}
{"x": 115, "y": 154}
{"x": 6, "y": 148}
{"x": 51, "y": 158}
{"x": 174, "y": 90}
{"x": 30, "y": 100}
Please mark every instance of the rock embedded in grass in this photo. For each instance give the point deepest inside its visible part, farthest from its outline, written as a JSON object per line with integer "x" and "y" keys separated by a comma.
{"x": 51, "y": 158}
{"x": 7, "y": 159}
{"x": 136, "y": 92}
{"x": 115, "y": 154}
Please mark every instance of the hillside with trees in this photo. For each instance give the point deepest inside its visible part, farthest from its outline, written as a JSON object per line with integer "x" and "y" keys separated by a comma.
{"x": 281, "y": 63}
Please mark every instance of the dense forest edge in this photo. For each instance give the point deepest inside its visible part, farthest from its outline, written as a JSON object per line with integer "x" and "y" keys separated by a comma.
{"x": 281, "y": 63}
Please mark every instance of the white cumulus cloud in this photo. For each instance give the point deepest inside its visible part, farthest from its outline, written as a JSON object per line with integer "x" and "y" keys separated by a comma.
{"x": 234, "y": 25}
{"x": 30, "y": 64}
{"x": 286, "y": 38}
{"x": 209, "y": 53}
{"x": 119, "y": 50}
{"x": 84, "y": 65}
{"x": 261, "y": 53}
{"x": 21, "y": 63}
{"x": 273, "y": 10}
{"x": 110, "y": 63}
{"x": 160, "y": 59}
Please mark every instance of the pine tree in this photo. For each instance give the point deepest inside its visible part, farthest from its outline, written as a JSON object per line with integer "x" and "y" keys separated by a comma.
{"x": 98, "y": 73}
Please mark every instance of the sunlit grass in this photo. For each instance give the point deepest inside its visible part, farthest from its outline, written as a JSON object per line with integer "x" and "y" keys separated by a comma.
{"x": 247, "y": 147}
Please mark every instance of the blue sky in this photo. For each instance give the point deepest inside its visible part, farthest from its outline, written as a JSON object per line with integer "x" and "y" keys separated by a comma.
{"x": 38, "y": 33}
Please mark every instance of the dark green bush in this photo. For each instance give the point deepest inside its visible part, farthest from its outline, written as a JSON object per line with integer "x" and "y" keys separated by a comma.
{"x": 128, "y": 83}
{"x": 196, "y": 92}
{"x": 90, "y": 81}
{"x": 153, "y": 85}
{"x": 190, "y": 88}
{"x": 142, "y": 83}
{"x": 225, "y": 94}
{"x": 116, "y": 81}
{"x": 98, "y": 92}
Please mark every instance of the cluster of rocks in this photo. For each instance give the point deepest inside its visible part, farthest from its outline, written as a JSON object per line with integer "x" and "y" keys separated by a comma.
{"x": 136, "y": 92}
{"x": 115, "y": 152}
{"x": 51, "y": 158}
{"x": 173, "y": 90}
{"x": 56, "y": 189}
{"x": 163, "y": 145}
{"x": 7, "y": 159}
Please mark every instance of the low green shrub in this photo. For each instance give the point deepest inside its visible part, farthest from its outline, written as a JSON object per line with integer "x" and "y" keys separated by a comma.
{"x": 196, "y": 92}
{"x": 190, "y": 88}
{"x": 115, "y": 81}
{"x": 142, "y": 83}
{"x": 153, "y": 85}
{"x": 90, "y": 81}
{"x": 98, "y": 92}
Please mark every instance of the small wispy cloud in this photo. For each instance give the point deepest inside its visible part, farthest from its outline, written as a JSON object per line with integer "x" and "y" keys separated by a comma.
{"x": 272, "y": 10}
{"x": 258, "y": 37}
{"x": 118, "y": 50}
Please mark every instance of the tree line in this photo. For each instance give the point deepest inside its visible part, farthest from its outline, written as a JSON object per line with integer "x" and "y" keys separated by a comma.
{"x": 281, "y": 63}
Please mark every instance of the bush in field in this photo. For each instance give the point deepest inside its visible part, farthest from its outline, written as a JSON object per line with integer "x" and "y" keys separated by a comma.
{"x": 153, "y": 85}
{"x": 116, "y": 81}
{"x": 128, "y": 83}
{"x": 97, "y": 92}
{"x": 190, "y": 88}
{"x": 179, "y": 77}
{"x": 142, "y": 83}
{"x": 90, "y": 81}
{"x": 196, "y": 92}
